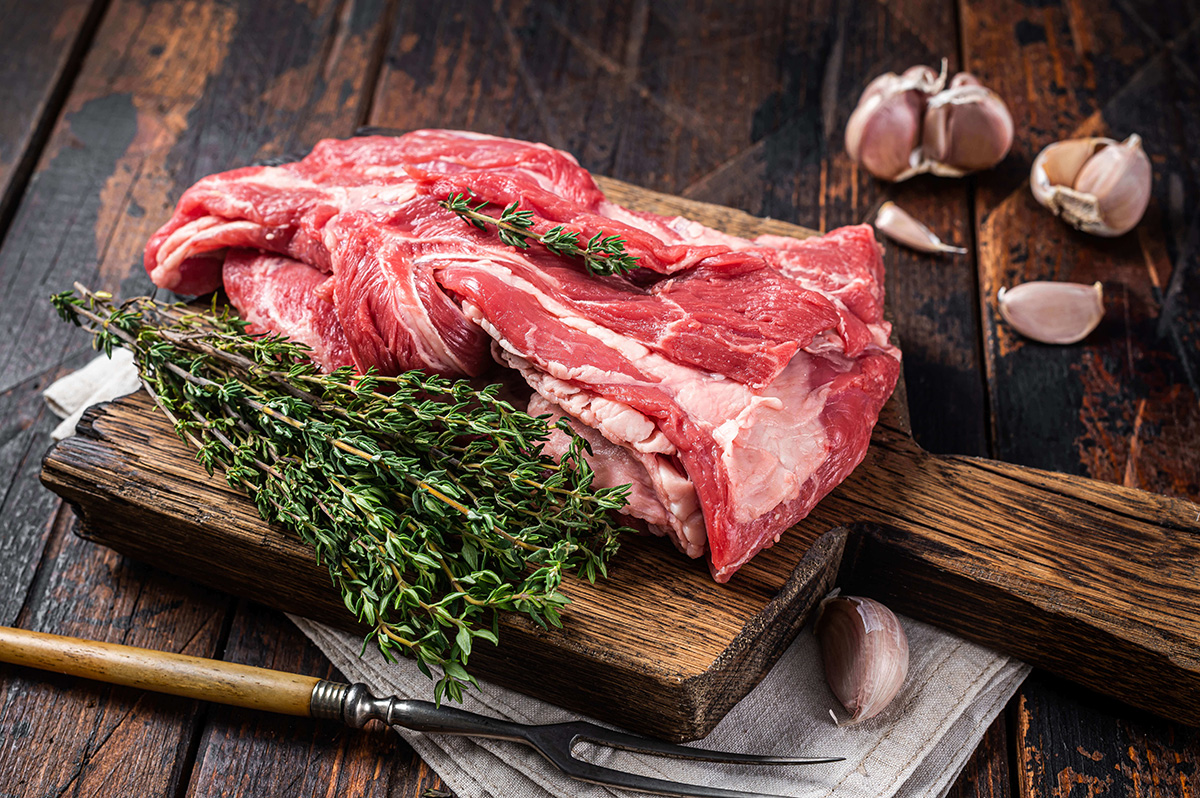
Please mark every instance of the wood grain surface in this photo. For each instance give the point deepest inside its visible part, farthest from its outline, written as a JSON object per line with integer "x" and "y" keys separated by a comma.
{"x": 1123, "y": 406}
{"x": 257, "y": 754}
{"x": 43, "y": 44}
{"x": 738, "y": 104}
{"x": 165, "y": 93}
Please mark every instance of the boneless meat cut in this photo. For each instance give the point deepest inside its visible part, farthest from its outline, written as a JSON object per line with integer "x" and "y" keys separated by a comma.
{"x": 732, "y": 383}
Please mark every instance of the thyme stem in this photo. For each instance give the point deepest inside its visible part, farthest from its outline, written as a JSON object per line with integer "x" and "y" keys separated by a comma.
{"x": 602, "y": 254}
{"x": 429, "y": 500}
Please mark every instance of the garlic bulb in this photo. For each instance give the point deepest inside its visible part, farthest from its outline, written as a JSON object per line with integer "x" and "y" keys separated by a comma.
{"x": 967, "y": 128}
{"x": 905, "y": 125}
{"x": 1052, "y": 312}
{"x": 1096, "y": 185}
{"x": 898, "y": 225}
{"x": 865, "y": 652}
{"x": 884, "y": 130}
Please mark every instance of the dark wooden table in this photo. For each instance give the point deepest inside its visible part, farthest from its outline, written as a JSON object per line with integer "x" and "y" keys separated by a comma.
{"x": 109, "y": 109}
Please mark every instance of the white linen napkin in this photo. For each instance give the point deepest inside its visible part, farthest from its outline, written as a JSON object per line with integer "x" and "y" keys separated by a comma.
{"x": 101, "y": 380}
{"x": 915, "y": 748}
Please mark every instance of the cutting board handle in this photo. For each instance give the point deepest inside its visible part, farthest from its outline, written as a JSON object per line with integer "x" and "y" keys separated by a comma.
{"x": 1096, "y": 582}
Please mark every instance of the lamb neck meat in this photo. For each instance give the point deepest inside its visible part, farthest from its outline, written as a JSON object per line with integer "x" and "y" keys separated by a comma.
{"x": 732, "y": 383}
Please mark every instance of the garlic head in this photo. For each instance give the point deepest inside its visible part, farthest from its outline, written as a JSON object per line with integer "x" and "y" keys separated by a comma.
{"x": 906, "y": 125}
{"x": 1096, "y": 185}
{"x": 865, "y": 652}
{"x": 1052, "y": 312}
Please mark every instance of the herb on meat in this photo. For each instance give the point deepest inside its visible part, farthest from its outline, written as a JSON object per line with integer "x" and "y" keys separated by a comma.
{"x": 429, "y": 499}
{"x": 602, "y": 255}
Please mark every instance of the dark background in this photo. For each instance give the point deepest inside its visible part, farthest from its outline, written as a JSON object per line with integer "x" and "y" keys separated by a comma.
{"x": 110, "y": 108}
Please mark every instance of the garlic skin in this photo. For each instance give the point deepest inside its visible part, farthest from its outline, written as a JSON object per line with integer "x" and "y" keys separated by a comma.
{"x": 1052, "y": 312}
{"x": 898, "y": 225}
{"x": 1096, "y": 185}
{"x": 967, "y": 128}
{"x": 884, "y": 131}
{"x": 865, "y": 652}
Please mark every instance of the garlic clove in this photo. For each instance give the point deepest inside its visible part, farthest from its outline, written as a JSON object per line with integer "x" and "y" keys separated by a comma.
{"x": 1096, "y": 185}
{"x": 1056, "y": 166}
{"x": 1119, "y": 178}
{"x": 966, "y": 128}
{"x": 898, "y": 225}
{"x": 865, "y": 652}
{"x": 884, "y": 130}
{"x": 1052, "y": 312}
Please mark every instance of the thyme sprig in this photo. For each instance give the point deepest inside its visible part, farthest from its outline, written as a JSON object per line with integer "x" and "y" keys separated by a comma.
{"x": 602, "y": 255}
{"x": 430, "y": 500}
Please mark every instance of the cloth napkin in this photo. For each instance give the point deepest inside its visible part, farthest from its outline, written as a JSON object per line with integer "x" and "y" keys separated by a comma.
{"x": 99, "y": 381}
{"x": 914, "y": 748}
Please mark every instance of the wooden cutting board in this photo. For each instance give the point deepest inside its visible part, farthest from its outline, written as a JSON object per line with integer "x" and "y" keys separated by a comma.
{"x": 1093, "y": 581}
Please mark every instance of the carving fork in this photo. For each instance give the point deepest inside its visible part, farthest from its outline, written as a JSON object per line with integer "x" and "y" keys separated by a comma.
{"x": 353, "y": 704}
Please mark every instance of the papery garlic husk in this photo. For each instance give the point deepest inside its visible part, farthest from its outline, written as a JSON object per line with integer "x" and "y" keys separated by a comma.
{"x": 884, "y": 130}
{"x": 865, "y": 652}
{"x": 1052, "y": 312}
{"x": 967, "y": 127}
{"x": 1096, "y": 185}
{"x": 898, "y": 225}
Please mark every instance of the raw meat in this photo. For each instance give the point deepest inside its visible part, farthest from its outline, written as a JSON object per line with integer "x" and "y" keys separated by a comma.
{"x": 732, "y": 383}
{"x": 279, "y": 294}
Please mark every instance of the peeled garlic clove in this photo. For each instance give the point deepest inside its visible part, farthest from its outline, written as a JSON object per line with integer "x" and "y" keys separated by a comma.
{"x": 1096, "y": 185}
{"x": 1052, "y": 312}
{"x": 884, "y": 131}
{"x": 865, "y": 652}
{"x": 898, "y": 225}
{"x": 966, "y": 128}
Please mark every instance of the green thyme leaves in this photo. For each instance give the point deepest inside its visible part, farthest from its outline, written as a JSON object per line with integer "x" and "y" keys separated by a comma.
{"x": 429, "y": 499}
{"x": 602, "y": 255}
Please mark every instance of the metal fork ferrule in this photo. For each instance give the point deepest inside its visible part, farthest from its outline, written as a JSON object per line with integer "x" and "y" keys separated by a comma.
{"x": 327, "y": 699}
{"x": 352, "y": 704}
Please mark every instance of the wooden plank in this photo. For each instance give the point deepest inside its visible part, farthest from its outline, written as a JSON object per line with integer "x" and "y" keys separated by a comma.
{"x": 252, "y": 753}
{"x": 64, "y": 734}
{"x": 1123, "y": 406}
{"x": 155, "y": 106}
{"x": 43, "y": 44}
{"x": 1068, "y": 741}
{"x": 987, "y": 774}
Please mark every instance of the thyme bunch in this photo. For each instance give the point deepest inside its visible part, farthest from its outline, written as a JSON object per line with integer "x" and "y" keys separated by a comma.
{"x": 429, "y": 499}
{"x": 602, "y": 255}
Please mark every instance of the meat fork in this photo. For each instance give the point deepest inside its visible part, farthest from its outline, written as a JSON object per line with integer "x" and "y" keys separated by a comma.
{"x": 354, "y": 705}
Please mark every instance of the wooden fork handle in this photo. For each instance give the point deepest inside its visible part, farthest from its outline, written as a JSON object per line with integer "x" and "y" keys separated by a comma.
{"x": 160, "y": 671}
